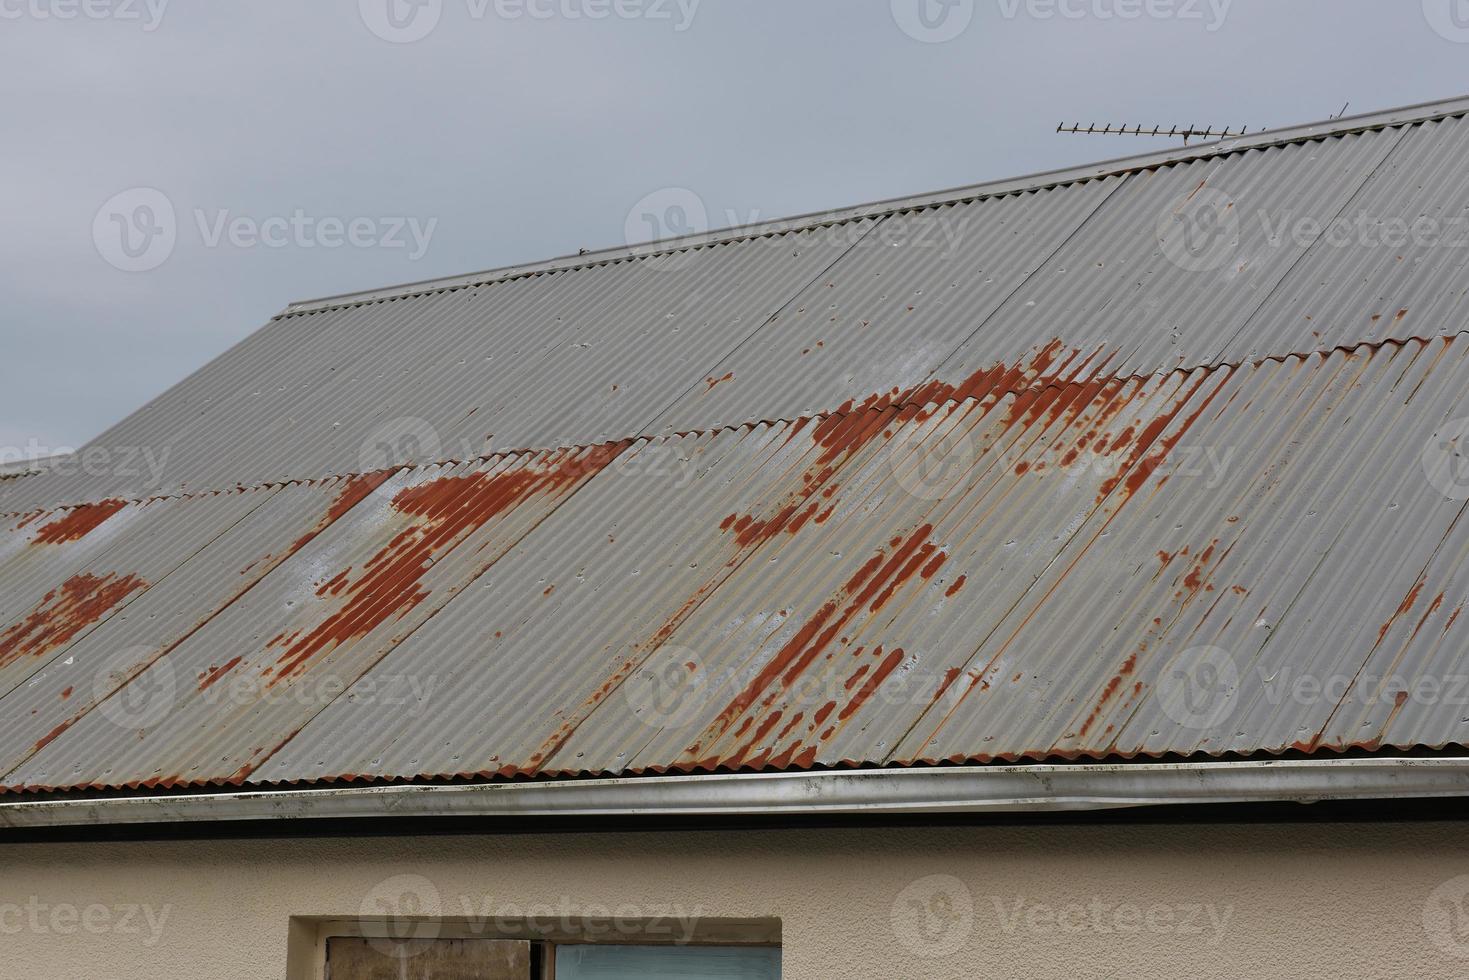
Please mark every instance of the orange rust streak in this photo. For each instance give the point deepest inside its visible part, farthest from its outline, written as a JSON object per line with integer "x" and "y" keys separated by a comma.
{"x": 1407, "y": 604}
{"x": 448, "y": 510}
{"x": 1107, "y": 694}
{"x": 208, "y": 679}
{"x": 77, "y": 524}
{"x": 65, "y": 613}
{"x": 1143, "y": 458}
{"x": 957, "y": 586}
{"x": 874, "y": 681}
{"x": 869, "y": 588}
{"x": 353, "y": 492}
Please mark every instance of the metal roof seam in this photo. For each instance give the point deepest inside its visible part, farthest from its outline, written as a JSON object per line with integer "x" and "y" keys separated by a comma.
{"x": 840, "y": 412}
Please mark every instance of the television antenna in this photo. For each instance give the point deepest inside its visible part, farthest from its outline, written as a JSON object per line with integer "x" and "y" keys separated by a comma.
{"x": 1187, "y": 133}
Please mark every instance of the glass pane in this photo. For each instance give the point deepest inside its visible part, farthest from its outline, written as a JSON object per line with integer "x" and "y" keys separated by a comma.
{"x": 666, "y": 963}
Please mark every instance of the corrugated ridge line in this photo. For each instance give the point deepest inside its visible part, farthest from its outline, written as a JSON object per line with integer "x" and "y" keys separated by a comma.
{"x": 1373, "y": 345}
{"x": 1126, "y": 166}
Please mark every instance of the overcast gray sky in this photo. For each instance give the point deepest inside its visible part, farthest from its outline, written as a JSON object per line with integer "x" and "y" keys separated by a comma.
{"x": 291, "y": 139}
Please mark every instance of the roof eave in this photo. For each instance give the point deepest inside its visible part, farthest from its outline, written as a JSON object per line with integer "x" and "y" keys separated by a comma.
{"x": 977, "y": 790}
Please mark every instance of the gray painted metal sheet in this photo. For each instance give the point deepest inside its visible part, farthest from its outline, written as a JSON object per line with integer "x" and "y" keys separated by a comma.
{"x": 252, "y": 674}
{"x": 1220, "y": 256}
{"x": 888, "y": 313}
{"x": 230, "y": 542}
{"x": 1110, "y": 495}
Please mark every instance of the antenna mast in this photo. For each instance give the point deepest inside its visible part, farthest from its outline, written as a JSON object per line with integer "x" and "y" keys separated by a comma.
{"x": 1188, "y": 132}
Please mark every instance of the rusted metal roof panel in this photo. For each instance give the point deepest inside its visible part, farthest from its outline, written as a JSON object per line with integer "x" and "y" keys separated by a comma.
{"x": 225, "y": 544}
{"x": 1210, "y": 259}
{"x": 1203, "y": 616}
{"x": 1026, "y": 573}
{"x": 893, "y": 309}
{"x": 1082, "y": 488}
{"x": 247, "y": 679}
{"x": 1180, "y": 259}
{"x": 568, "y": 358}
{"x": 67, "y": 573}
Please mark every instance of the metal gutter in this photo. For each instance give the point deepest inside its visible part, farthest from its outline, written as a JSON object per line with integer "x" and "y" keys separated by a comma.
{"x": 999, "y": 789}
{"x": 1423, "y": 112}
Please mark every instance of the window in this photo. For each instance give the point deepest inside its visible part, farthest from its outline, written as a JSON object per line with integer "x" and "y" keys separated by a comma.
{"x": 359, "y": 958}
{"x": 666, "y": 963}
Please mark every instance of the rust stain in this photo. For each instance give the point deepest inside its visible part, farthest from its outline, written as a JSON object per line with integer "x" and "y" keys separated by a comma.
{"x": 52, "y": 736}
{"x": 957, "y": 586}
{"x": 77, "y": 524}
{"x": 1453, "y": 618}
{"x": 446, "y": 511}
{"x": 872, "y": 586}
{"x": 716, "y": 382}
{"x": 1404, "y": 607}
{"x": 354, "y": 490}
{"x": 65, "y": 613}
{"x": 1108, "y": 693}
{"x": 211, "y": 676}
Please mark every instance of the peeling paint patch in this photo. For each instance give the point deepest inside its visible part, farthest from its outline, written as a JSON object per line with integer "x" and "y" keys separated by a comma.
{"x": 65, "y": 613}
{"x": 445, "y": 511}
{"x": 77, "y": 524}
{"x": 906, "y": 559}
{"x": 354, "y": 490}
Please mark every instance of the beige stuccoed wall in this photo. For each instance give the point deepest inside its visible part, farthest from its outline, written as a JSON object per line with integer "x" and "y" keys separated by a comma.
{"x": 1299, "y": 901}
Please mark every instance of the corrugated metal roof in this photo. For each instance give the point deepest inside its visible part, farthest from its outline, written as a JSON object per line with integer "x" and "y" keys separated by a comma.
{"x": 1130, "y": 464}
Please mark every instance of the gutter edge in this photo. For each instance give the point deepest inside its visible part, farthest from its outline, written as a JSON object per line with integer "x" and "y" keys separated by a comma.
{"x": 987, "y": 789}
